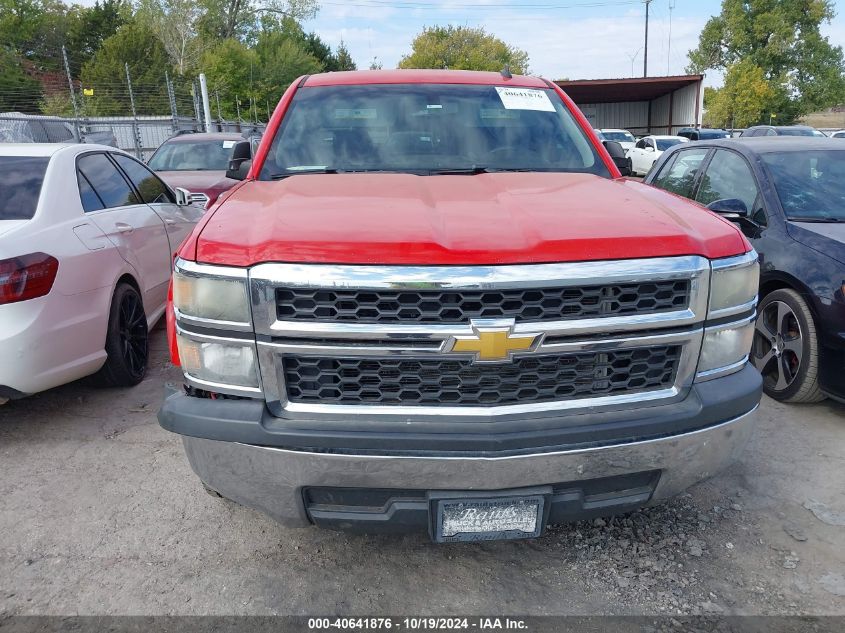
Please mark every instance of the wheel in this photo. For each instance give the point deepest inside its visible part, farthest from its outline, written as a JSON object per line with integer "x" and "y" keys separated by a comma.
{"x": 785, "y": 348}
{"x": 126, "y": 341}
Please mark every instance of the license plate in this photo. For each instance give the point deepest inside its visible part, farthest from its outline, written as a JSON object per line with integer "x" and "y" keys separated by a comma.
{"x": 488, "y": 519}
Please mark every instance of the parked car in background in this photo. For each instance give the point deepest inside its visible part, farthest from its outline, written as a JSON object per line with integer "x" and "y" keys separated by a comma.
{"x": 16, "y": 127}
{"x": 87, "y": 237}
{"x": 839, "y": 134}
{"x": 623, "y": 137}
{"x": 648, "y": 149}
{"x": 198, "y": 163}
{"x": 788, "y": 197}
{"x": 779, "y": 130}
{"x": 703, "y": 133}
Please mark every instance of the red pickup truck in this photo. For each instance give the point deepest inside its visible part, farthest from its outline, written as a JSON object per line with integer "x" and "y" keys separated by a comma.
{"x": 434, "y": 304}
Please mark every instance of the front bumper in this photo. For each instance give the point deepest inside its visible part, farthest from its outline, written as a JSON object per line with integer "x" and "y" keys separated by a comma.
{"x": 272, "y": 480}
{"x": 589, "y": 464}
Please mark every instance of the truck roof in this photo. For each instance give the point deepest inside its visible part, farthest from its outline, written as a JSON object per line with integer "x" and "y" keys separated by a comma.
{"x": 363, "y": 77}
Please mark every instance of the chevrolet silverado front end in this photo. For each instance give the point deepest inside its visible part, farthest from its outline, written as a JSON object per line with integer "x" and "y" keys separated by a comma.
{"x": 473, "y": 351}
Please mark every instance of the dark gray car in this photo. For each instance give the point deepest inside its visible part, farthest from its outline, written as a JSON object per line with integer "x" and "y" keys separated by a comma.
{"x": 787, "y": 194}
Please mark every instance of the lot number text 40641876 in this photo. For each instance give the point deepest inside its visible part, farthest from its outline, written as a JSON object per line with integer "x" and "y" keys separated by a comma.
{"x": 417, "y": 624}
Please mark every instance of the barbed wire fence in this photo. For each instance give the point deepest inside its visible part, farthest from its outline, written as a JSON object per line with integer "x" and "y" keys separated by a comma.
{"x": 136, "y": 114}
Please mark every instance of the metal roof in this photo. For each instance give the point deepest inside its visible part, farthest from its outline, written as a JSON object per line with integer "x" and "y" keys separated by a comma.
{"x": 631, "y": 89}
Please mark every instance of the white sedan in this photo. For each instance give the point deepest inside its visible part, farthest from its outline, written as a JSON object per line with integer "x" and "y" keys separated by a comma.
{"x": 623, "y": 137}
{"x": 648, "y": 149}
{"x": 87, "y": 240}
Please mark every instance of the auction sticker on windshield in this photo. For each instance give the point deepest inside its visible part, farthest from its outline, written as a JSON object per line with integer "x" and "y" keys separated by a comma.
{"x": 525, "y": 99}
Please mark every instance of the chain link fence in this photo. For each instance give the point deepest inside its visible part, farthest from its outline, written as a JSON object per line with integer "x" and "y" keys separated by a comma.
{"x": 136, "y": 116}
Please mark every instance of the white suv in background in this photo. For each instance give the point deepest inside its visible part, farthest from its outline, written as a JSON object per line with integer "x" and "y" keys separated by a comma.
{"x": 87, "y": 237}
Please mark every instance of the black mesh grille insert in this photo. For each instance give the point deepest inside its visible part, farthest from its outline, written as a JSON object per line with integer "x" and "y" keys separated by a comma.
{"x": 440, "y": 306}
{"x": 439, "y": 382}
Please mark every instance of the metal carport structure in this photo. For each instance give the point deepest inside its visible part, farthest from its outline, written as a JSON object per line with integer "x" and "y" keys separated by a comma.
{"x": 643, "y": 105}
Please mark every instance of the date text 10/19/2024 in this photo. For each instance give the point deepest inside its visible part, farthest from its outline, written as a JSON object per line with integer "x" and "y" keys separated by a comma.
{"x": 417, "y": 624}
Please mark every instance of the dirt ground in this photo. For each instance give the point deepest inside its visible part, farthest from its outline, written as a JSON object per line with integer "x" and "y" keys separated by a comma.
{"x": 101, "y": 514}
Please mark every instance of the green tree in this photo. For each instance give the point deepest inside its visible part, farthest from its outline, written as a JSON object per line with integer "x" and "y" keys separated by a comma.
{"x": 175, "y": 23}
{"x": 91, "y": 26}
{"x": 782, "y": 38}
{"x": 463, "y": 48}
{"x": 344, "y": 59}
{"x": 134, "y": 44}
{"x": 281, "y": 59}
{"x": 229, "y": 67}
{"x": 243, "y": 19}
{"x": 743, "y": 99}
{"x": 18, "y": 91}
{"x": 35, "y": 31}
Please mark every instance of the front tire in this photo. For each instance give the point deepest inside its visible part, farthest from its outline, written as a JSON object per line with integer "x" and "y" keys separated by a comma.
{"x": 127, "y": 343}
{"x": 786, "y": 349}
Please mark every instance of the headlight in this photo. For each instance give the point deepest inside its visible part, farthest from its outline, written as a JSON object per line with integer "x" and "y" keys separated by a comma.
{"x": 733, "y": 292}
{"x": 725, "y": 348}
{"x": 734, "y": 284}
{"x": 220, "y": 363}
{"x": 216, "y": 298}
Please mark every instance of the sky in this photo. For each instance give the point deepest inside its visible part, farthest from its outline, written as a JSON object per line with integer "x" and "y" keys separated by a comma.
{"x": 574, "y": 39}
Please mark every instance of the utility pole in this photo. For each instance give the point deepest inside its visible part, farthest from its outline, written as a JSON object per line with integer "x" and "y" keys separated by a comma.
{"x": 645, "y": 54}
{"x": 669, "y": 48}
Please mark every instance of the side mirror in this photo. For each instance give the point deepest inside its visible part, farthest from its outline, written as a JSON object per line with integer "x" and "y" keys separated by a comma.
{"x": 729, "y": 208}
{"x": 241, "y": 161}
{"x": 649, "y": 148}
{"x": 617, "y": 154}
{"x": 183, "y": 197}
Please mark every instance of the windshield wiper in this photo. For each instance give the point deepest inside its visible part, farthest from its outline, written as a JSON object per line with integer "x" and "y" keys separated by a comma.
{"x": 306, "y": 170}
{"x": 479, "y": 169}
{"x": 817, "y": 220}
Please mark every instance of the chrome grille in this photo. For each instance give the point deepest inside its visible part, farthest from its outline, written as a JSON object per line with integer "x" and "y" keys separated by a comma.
{"x": 457, "y": 306}
{"x": 415, "y": 382}
{"x": 347, "y": 340}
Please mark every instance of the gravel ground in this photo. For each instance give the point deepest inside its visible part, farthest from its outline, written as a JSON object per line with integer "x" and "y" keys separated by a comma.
{"x": 102, "y": 515}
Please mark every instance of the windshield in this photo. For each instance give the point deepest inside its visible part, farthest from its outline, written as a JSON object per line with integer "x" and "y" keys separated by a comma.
{"x": 428, "y": 128}
{"x": 711, "y": 134}
{"x": 622, "y": 137}
{"x": 809, "y": 184}
{"x": 795, "y": 131}
{"x": 193, "y": 156}
{"x": 665, "y": 143}
{"x": 20, "y": 186}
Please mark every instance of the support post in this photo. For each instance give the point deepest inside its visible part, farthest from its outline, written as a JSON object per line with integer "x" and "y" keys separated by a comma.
{"x": 171, "y": 97}
{"x": 206, "y": 106}
{"x": 136, "y": 132}
{"x": 79, "y": 136}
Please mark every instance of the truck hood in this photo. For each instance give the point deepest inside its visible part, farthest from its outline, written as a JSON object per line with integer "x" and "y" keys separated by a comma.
{"x": 497, "y": 218}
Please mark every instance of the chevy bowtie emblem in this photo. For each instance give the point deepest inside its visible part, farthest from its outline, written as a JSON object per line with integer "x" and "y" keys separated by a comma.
{"x": 493, "y": 341}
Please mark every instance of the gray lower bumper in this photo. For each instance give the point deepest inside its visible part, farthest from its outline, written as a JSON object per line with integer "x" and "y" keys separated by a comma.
{"x": 271, "y": 479}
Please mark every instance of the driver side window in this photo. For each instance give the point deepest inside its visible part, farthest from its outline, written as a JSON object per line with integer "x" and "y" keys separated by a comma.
{"x": 641, "y": 144}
